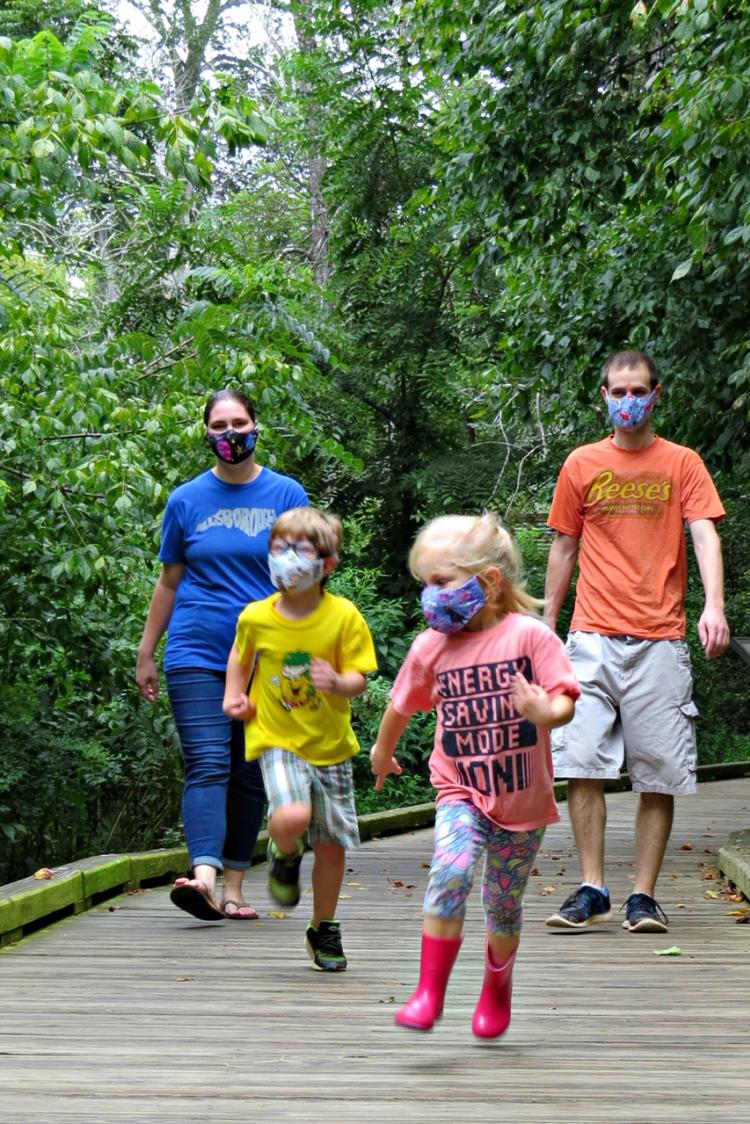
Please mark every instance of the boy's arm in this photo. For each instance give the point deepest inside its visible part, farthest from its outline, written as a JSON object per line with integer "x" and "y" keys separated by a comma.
{"x": 347, "y": 684}
{"x": 236, "y": 703}
{"x": 382, "y": 755}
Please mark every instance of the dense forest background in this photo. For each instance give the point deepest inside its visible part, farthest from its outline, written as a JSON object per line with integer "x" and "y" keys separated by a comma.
{"x": 411, "y": 232}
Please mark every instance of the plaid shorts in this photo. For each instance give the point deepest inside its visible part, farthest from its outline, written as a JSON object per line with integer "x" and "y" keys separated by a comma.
{"x": 328, "y": 789}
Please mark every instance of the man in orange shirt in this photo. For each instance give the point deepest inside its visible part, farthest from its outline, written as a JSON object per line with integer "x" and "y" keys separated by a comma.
{"x": 619, "y": 510}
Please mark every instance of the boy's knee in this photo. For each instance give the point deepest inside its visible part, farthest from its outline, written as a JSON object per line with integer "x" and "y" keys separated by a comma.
{"x": 289, "y": 820}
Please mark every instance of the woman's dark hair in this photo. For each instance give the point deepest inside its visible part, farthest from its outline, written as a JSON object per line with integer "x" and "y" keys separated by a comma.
{"x": 232, "y": 395}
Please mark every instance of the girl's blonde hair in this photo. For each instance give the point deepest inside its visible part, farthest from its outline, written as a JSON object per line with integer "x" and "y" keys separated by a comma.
{"x": 324, "y": 530}
{"x": 474, "y": 542}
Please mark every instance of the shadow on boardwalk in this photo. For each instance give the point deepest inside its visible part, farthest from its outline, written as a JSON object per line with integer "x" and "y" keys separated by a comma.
{"x": 134, "y": 1012}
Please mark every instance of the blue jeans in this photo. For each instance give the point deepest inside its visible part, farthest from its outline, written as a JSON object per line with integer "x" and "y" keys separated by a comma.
{"x": 223, "y": 797}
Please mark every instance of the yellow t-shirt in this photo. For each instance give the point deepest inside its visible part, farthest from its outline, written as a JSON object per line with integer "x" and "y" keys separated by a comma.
{"x": 291, "y": 712}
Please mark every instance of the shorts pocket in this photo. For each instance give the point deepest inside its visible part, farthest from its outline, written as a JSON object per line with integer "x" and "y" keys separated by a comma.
{"x": 690, "y": 710}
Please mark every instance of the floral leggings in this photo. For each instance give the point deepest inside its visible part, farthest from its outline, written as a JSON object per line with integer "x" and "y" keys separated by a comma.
{"x": 462, "y": 833}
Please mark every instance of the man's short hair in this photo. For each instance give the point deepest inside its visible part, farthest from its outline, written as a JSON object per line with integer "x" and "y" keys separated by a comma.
{"x": 622, "y": 359}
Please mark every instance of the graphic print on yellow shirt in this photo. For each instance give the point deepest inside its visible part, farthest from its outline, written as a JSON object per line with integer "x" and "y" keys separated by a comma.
{"x": 291, "y": 713}
{"x": 296, "y": 687}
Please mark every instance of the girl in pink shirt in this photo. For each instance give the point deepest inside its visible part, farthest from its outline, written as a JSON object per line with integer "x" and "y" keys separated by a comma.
{"x": 500, "y": 680}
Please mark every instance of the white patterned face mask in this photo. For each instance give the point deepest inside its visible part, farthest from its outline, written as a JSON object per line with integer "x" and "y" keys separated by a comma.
{"x": 289, "y": 571}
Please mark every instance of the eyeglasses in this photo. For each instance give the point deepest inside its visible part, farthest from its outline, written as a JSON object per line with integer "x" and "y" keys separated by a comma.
{"x": 302, "y": 547}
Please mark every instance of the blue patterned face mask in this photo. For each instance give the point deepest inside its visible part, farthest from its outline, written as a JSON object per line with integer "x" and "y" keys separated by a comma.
{"x": 290, "y": 571}
{"x": 630, "y": 412}
{"x": 450, "y": 610}
{"x": 233, "y": 447}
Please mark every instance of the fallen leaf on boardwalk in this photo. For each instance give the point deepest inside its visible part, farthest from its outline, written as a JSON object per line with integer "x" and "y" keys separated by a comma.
{"x": 137, "y": 890}
{"x": 534, "y": 871}
{"x": 44, "y": 872}
{"x": 674, "y": 950}
{"x": 711, "y": 894}
{"x": 709, "y": 875}
{"x": 278, "y": 915}
{"x": 738, "y": 912}
{"x": 561, "y": 872}
{"x": 547, "y": 890}
{"x": 674, "y": 876}
{"x": 680, "y": 905}
{"x": 344, "y": 896}
{"x": 686, "y": 847}
{"x": 745, "y": 920}
{"x": 397, "y": 884}
{"x": 354, "y": 883}
{"x": 390, "y": 999}
{"x": 183, "y": 979}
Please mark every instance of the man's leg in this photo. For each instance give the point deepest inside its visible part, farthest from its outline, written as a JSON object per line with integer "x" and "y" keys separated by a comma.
{"x": 653, "y": 826}
{"x": 588, "y": 816}
{"x": 590, "y": 903}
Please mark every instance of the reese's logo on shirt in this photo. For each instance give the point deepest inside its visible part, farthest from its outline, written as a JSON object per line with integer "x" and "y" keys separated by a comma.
{"x": 617, "y": 495}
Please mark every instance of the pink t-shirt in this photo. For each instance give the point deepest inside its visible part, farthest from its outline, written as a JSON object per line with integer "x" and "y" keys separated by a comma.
{"x": 485, "y": 751}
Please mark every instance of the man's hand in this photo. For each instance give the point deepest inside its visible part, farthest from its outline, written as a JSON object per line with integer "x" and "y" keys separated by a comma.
{"x": 383, "y": 764}
{"x": 713, "y": 631}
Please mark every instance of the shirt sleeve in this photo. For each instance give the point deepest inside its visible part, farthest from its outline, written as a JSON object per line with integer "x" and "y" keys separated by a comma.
{"x": 566, "y": 511}
{"x": 552, "y": 668}
{"x": 172, "y": 534}
{"x": 244, "y": 640}
{"x": 414, "y": 686}
{"x": 698, "y": 495}
{"x": 357, "y": 648}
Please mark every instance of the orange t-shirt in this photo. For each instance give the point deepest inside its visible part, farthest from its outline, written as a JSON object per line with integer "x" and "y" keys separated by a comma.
{"x": 629, "y": 507}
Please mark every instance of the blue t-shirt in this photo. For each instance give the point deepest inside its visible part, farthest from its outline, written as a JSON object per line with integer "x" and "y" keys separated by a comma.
{"x": 219, "y": 532}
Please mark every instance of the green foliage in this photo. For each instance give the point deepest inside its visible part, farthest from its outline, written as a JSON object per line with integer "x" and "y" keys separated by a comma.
{"x": 508, "y": 193}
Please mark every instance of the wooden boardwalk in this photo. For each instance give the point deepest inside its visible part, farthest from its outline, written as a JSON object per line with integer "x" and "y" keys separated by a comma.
{"x": 133, "y": 1012}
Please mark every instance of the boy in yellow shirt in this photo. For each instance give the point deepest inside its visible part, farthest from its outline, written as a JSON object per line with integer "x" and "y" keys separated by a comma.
{"x": 311, "y": 652}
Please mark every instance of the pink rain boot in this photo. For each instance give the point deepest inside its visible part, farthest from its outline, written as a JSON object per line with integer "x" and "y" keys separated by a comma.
{"x": 492, "y": 1015}
{"x": 425, "y": 1007}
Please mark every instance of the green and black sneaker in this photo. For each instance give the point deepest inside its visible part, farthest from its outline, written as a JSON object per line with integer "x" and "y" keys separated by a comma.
{"x": 283, "y": 874}
{"x": 324, "y": 947}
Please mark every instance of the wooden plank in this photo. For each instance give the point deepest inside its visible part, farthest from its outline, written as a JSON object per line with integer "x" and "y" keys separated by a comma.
{"x": 135, "y": 1012}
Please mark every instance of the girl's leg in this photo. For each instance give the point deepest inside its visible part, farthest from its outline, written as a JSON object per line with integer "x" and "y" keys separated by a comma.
{"x": 459, "y": 841}
{"x": 205, "y": 738}
{"x": 510, "y": 860}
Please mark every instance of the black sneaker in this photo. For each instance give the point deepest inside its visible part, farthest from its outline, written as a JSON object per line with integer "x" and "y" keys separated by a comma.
{"x": 643, "y": 914}
{"x": 585, "y": 906}
{"x": 324, "y": 947}
{"x": 283, "y": 875}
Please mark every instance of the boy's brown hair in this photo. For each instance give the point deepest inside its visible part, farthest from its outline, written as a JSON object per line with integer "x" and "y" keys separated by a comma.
{"x": 324, "y": 530}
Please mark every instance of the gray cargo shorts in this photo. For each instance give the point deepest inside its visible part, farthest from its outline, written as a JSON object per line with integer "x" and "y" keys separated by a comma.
{"x": 636, "y": 708}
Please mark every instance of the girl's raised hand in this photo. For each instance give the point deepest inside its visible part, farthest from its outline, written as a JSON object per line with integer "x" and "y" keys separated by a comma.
{"x": 531, "y": 700}
{"x": 383, "y": 763}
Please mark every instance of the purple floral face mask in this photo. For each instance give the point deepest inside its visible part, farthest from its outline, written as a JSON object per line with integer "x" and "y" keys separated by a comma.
{"x": 233, "y": 447}
{"x": 450, "y": 610}
{"x": 630, "y": 412}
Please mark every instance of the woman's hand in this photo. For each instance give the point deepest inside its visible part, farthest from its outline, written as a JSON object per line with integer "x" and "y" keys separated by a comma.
{"x": 147, "y": 678}
{"x": 239, "y": 707}
{"x": 383, "y": 764}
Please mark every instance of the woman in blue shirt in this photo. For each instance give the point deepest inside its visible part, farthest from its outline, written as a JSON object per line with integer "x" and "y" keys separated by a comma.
{"x": 214, "y": 553}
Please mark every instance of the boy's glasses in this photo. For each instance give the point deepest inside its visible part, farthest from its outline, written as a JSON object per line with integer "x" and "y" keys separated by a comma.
{"x": 302, "y": 547}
